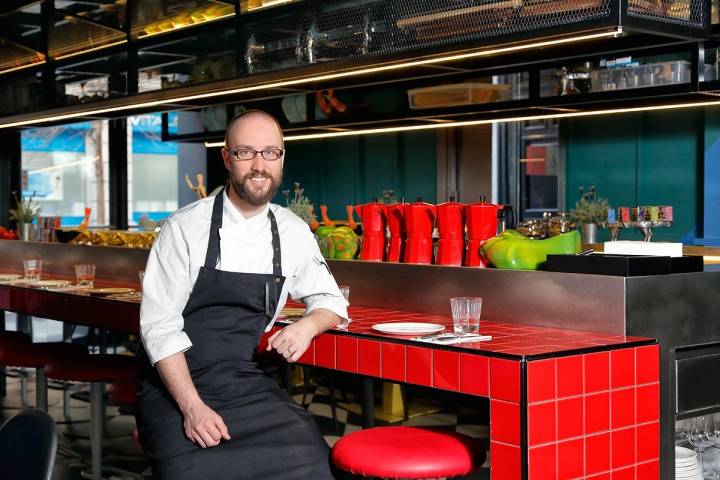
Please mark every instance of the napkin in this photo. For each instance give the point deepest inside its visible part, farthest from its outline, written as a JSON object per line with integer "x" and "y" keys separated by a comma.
{"x": 452, "y": 339}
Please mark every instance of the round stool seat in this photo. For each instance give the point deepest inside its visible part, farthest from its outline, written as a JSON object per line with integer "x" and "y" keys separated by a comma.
{"x": 123, "y": 392}
{"x": 93, "y": 368}
{"x": 407, "y": 452}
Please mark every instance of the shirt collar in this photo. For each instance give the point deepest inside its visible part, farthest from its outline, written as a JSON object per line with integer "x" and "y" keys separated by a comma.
{"x": 231, "y": 213}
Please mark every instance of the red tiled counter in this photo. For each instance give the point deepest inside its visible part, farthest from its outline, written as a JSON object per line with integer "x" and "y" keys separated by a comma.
{"x": 564, "y": 404}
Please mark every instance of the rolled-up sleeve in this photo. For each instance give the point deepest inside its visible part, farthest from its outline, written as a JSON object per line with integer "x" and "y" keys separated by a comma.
{"x": 166, "y": 288}
{"x": 315, "y": 286}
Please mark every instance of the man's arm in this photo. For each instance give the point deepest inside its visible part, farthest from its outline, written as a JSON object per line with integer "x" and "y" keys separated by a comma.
{"x": 292, "y": 341}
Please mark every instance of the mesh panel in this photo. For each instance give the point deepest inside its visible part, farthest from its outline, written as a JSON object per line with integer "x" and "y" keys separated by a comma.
{"x": 689, "y": 13}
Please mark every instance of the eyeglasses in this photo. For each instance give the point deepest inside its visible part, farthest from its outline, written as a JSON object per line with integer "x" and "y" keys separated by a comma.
{"x": 245, "y": 153}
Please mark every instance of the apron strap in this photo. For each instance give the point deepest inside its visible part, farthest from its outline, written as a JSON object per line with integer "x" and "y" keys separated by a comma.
{"x": 213, "y": 250}
{"x": 277, "y": 258}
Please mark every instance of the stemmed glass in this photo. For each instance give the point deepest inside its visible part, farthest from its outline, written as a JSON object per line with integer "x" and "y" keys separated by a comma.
{"x": 701, "y": 433}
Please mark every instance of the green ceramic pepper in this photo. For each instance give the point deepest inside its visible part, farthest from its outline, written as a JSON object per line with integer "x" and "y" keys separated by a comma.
{"x": 514, "y": 250}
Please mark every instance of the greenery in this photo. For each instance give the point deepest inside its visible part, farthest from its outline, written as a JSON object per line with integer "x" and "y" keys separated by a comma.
{"x": 299, "y": 204}
{"x": 26, "y": 209}
{"x": 389, "y": 197}
{"x": 590, "y": 208}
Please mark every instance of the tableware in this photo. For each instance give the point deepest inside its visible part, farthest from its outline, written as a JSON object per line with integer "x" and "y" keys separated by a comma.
{"x": 466, "y": 314}
{"x": 141, "y": 277}
{"x": 50, "y": 284}
{"x": 85, "y": 275}
{"x": 345, "y": 290}
{"x": 32, "y": 268}
{"x": 110, "y": 291}
{"x": 9, "y": 277}
{"x": 407, "y": 328}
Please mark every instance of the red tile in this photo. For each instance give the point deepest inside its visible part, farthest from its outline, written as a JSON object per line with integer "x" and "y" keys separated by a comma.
{"x": 648, "y": 442}
{"x": 624, "y": 474}
{"x": 505, "y": 422}
{"x": 542, "y": 463}
{"x": 569, "y": 418}
{"x": 541, "y": 380}
{"x": 570, "y": 459}
{"x": 369, "y": 357}
{"x": 569, "y": 376}
{"x": 393, "y": 361}
{"x": 622, "y": 367}
{"x": 505, "y": 379}
{"x": 623, "y": 447}
{"x": 648, "y": 364}
{"x": 308, "y": 358}
{"x": 541, "y": 423}
{"x": 446, "y": 369}
{"x": 347, "y": 353}
{"x": 475, "y": 374}
{"x": 419, "y": 365}
{"x": 597, "y": 413}
{"x": 622, "y": 408}
{"x": 325, "y": 351}
{"x": 602, "y": 476}
{"x": 597, "y": 458}
{"x": 649, "y": 470}
{"x": 597, "y": 372}
{"x": 505, "y": 462}
{"x": 648, "y": 403}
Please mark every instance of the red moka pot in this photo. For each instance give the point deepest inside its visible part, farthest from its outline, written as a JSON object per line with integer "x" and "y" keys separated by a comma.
{"x": 396, "y": 226}
{"x": 373, "y": 216}
{"x": 482, "y": 223}
{"x": 419, "y": 223}
{"x": 451, "y": 228}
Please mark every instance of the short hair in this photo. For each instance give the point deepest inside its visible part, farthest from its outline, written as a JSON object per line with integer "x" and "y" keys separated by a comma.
{"x": 251, "y": 113}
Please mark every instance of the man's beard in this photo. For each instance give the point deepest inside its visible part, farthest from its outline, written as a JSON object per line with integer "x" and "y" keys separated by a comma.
{"x": 244, "y": 190}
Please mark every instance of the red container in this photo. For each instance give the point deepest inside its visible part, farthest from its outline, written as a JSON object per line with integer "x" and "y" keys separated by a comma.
{"x": 451, "y": 228}
{"x": 482, "y": 223}
{"x": 419, "y": 223}
{"x": 374, "y": 218}
{"x": 396, "y": 225}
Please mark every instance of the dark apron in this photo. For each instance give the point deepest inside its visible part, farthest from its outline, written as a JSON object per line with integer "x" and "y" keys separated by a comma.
{"x": 272, "y": 437}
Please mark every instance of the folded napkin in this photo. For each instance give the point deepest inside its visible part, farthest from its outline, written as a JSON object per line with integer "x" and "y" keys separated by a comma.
{"x": 452, "y": 339}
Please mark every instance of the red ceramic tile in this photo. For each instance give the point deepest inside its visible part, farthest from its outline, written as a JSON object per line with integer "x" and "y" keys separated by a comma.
{"x": 505, "y": 379}
{"x": 597, "y": 453}
{"x": 446, "y": 369}
{"x": 597, "y": 372}
{"x": 648, "y": 364}
{"x": 569, "y": 376}
{"x": 622, "y": 367}
{"x": 624, "y": 474}
{"x": 623, "y": 447}
{"x": 308, "y": 358}
{"x": 419, "y": 365}
{"x": 570, "y": 459}
{"x": 622, "y": 408}
{"x": 649, "y": 470}
{"x": 648, "y": 403}
{"x": 602, "y": 476}
{"x": 542, "y": 463}
{"x": 541, "y": 423}
{"x": 369, "y": 357}
{"x": 648, "y": 442}
{"x": 325, "y": 351}
{"x": 346, "y": 357}
{"x": 505, "y": 422}
{"x": 474, "y": 374}
{"x": 505, "y": 462}
{"x": 569, "y": 418}
{"x": 393, "y": 361}
{"x": 541, "y": 380}
{"x": 597, "y": 413}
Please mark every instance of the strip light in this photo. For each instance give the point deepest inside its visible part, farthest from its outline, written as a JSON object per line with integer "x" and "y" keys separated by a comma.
{"x": 22, "y": 67}
{"x": 93, "y": 49}
{"x": 470, "y": 123}
{"x": 317, "y": 78}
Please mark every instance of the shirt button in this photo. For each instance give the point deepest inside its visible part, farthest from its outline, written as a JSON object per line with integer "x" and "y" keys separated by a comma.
{"x": 277, "y": 280}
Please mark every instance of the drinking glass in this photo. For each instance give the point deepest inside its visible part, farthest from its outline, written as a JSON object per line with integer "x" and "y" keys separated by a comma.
{"x": 461, "y": 315}
{"x": 33, "y": 269}
{"x": 85, "y": 274}
{"x": 141, "y": 277}
{"x": 345, "y": 290}
{"x": 474, "y": 311}
{"x": 699, "y": 435}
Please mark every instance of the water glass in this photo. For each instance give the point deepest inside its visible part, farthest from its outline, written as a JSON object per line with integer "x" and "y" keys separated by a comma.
{"x": 466, "y": 314}
{"x": 33, "y": 269}
{"x": 141, "y": 277}
{"x": 345, "y": 290}
{"x": 85, "y": 275}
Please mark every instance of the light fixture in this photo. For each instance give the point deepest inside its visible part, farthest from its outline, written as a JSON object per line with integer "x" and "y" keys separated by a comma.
{"x": 93, "y": 49}
{"x": 22, "y": 67}
{"x": 320, "y": 77}
{"x": 470, "y": 123}
{"x": 186, "y": 25}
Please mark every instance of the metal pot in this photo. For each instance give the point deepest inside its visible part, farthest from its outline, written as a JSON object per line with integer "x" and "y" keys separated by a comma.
{"x": 25, "y": 231}
{"x": 589, "y": 232}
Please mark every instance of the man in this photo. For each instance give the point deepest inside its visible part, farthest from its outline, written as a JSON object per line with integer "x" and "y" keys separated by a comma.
{"x": 217, "y": 276}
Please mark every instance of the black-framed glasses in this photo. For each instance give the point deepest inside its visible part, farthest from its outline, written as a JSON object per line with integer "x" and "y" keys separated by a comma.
{"x": 245, "y": 153}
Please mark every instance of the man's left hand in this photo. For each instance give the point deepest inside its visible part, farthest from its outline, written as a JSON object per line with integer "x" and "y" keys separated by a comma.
{"x": 292, "y": 341}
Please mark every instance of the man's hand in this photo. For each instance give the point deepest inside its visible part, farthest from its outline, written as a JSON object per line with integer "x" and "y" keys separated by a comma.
{"x": 204, "y": 426}
{"x": 292, "y": 341}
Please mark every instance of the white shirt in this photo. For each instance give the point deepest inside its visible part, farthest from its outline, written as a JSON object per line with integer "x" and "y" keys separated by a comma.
{"x": 245, "y": 246}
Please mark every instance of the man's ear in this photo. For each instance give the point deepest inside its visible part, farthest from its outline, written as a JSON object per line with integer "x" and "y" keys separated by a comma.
{"x": 227, "y": 160}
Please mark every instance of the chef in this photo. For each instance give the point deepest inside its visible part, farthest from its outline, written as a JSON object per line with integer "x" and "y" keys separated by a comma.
{"x": 217, "y": 276}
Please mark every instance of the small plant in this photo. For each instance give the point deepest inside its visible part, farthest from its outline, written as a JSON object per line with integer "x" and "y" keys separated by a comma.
{"x": 389, "y": 197}
{"x": 590, "y": 208}
{"x": 299, "y": 204}
{"x": 26, "y": 209}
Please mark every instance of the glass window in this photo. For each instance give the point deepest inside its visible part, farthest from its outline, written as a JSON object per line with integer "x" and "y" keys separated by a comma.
{"x": 66, "y": 168}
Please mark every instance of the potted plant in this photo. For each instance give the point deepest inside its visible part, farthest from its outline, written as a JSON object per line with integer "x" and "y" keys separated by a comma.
{"x": 589, "y": 211}
{"x": 25, "y": 211}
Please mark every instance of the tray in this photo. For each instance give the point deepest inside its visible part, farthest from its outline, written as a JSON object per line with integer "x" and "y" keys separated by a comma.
{"x": 623, "y": 265}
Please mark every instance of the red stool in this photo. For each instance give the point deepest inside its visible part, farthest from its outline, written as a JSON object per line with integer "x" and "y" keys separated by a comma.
{"x": 18, "y": 350}
{"x": 96, "y": 370}
{"x": 407, "y": 452}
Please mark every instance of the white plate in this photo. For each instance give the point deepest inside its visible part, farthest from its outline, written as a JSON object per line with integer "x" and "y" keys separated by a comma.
{"x": 50, "y": 283}
{"x": 8, "y": 277}
{"x": 682, "y": 453}
{"x": 408, "y": 328}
